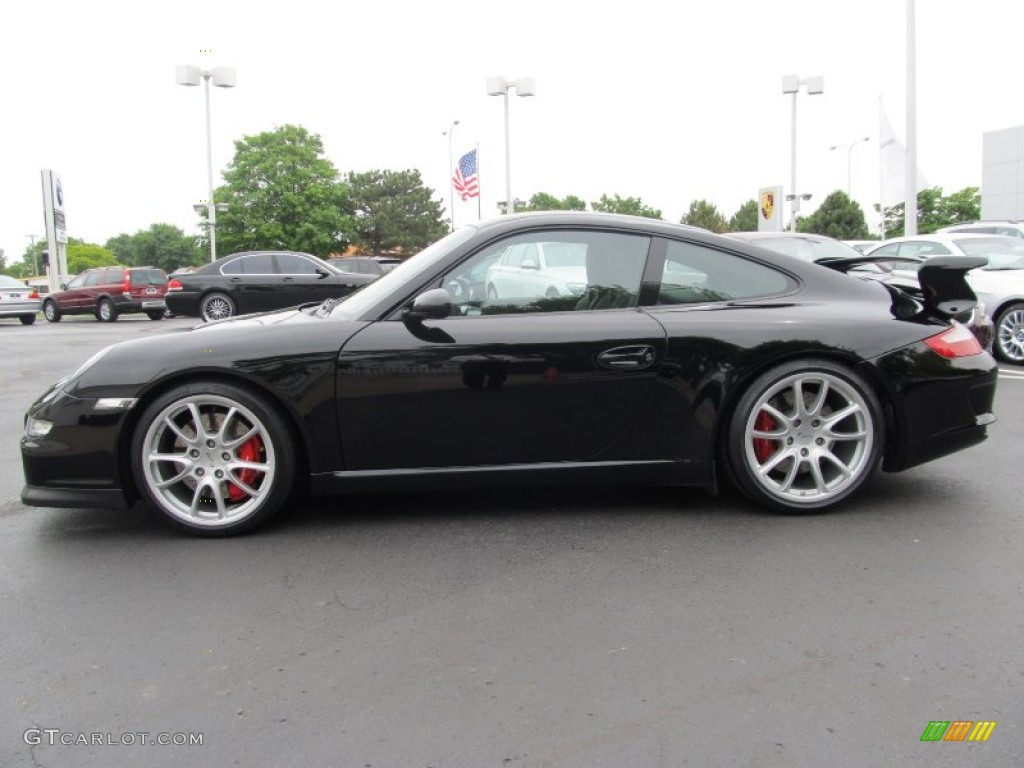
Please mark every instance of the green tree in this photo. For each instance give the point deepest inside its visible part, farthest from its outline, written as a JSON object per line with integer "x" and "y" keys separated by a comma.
{"x": 282, "y": 193}
{"x": 393, "y": 210}
{"x": 162, "y": 245}
{"x": 935, "y": 211}
{"x": 631, "y": 206}
{"x": 542, "y": 201}
{"x": 82, "y": 256}
{"x": 745, "y": 218}
{"x": 705, "y": 215}
{"x": 838, "y": 216}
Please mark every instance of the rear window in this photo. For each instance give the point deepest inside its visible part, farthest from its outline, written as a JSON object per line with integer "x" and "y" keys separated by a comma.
{"x": 148, "y": 277}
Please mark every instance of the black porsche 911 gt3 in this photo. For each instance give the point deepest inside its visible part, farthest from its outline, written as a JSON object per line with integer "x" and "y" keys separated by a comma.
{"x": 667, "y": 355}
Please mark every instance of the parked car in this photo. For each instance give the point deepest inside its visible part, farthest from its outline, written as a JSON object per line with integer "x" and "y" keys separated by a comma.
{"x": 835, "y": 254}
{"x": 532, "y": 269}
{"x": 687, "y": 359}
{"x": 861, "y": 245}
{"x": 258, "y": 281}
{"x": 999, "y": 284}
{"x": 18, "y": 300}
{"x": 1004, "y": 227}
{"x": 365, "y": 265}
{"x": 108, "y": 293}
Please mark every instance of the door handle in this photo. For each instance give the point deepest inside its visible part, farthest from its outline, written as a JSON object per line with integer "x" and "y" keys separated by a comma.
{"x": 634, "y": 357}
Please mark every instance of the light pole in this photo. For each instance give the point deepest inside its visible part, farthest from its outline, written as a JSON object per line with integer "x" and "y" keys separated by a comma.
{"x": 498, "y": 86}
{"x": 791, "y": 84}
{"x": 223, "y": 77}
{"x": 451, "y": 186}
{"x": 849, "y": 154}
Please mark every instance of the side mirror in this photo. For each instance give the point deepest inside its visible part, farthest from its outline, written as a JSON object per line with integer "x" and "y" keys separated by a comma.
{"x": 63, "y": 286}
{"x": 530, "y": 264}
{"x": 322, "y": 273}
{"x": 435, "y": 304}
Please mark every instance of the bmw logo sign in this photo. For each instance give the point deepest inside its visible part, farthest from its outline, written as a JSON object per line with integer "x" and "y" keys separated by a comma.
{"x": 60, "y": 194}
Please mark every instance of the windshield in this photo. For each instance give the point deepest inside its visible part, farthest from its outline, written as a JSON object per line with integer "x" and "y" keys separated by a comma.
{"x": 406, "y": 272}
{"x": 1002, "y": 252}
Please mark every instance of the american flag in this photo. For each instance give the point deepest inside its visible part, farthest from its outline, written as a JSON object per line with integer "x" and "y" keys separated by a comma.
{"x": 466, "y": 182}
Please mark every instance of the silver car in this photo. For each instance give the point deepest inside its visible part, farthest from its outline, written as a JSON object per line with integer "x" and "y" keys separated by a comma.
{"x": 18, "y": 300}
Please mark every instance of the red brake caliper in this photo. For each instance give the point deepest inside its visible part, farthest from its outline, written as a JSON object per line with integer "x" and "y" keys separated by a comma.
{"x": 250, "y": 451}
{"x": 763, "y": 447}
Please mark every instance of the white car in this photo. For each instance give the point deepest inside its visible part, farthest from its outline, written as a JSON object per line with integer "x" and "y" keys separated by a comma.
{"x": 1008, "y": 228}
{"x": 531, "y": 270}
{"x": 999, "y": 285}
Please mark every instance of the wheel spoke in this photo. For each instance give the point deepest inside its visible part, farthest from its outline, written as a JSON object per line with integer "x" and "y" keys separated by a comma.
{"x": 178, "y": 430}
{"x": 197, "y": 420}
{"x": 819, "y": 477}
{"x": 819, "y": 401}
{"x": 223, "y": 431}
{"x": 240, "y": 464}
{"x": 837, "y": 417}
{"x": 176, "y": 479}
{"x": 837, "y": 462}
{"x": 254, "y": 493}
{"x": 798, "y": 397}
{"x": 776, "y": 414}
{"x": 234, "y": 443}
{"x": 794, "y": 470}
{"x": 774, "y": 461}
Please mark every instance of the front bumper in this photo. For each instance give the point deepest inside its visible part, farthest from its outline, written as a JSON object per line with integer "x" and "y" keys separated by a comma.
{"x": 77, "y": 464}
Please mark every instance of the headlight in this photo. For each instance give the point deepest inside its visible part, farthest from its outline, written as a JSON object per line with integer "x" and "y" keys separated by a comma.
{"x": 37, "y": 427}
{"x": 576, "y": 289}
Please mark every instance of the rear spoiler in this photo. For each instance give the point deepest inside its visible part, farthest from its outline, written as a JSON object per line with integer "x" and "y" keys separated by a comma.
{"x": 944, "y": 288}
{"x": 944, "y": 284}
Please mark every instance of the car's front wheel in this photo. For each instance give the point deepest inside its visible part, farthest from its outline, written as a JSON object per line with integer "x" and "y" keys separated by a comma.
{"x": 106, "y": 312}
{"x": 216, "y": 306}
{"x": 51, "y": 311}
{"x": 214, "y": 458}
{"x": 1009, "y": 343}
{"x": 157, "y": 314}
{"x": 804, "y": 436}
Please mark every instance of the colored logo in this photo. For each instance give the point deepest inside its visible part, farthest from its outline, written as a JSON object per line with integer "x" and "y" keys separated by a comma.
{"x": 767, "y": 204}
{"x": 958, "y": 730}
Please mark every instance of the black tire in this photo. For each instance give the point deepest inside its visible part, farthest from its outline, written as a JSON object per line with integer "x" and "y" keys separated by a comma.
{"x": 788, "y": 458}
{"x": 51, "y": 311}
{"x": 27, "y": 319}
{"x": 492, "y": 292}
{"x": 195, "y": 501}
{"x": 216, "y": 306}
{"x": 106, "y": 312}
{"x": 156, "y": 315}
{"x": 552, "y": 293}
{"x": 1008, "y": 344}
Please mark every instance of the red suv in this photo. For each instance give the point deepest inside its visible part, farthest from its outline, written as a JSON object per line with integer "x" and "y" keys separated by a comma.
{"x": 107, "y": 292}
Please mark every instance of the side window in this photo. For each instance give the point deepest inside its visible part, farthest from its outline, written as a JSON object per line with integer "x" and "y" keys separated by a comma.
{"x": 561, "y": 270}
{"x": 695, "y": 274}
{"x": 1009, "y": 232}
{"x": 112, "y": 276}
{"x": 922, "y": 248}
{"x": 77, "y": 282}
{"x": 94, "y": 278}
{"x": 887, "y": 250}
{"x": 290, "y": 264}
{"x": 233, "y": 267}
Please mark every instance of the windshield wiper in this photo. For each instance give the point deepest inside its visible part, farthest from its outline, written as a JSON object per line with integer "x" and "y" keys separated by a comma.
{"x": 326, "y": 307}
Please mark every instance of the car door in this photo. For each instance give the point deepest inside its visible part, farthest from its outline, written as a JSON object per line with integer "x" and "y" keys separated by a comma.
{"x": 71, "y": 298}
{"x": 509, "y": 380}
{"x": 301, "y": 282}
{"x": 253, "y": 283}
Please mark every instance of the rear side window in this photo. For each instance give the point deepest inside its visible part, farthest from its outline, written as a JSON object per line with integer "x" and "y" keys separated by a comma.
{"x": 113, "y": 276}
{"x": 696, "y": 274}
{"x": 148, "y": 277}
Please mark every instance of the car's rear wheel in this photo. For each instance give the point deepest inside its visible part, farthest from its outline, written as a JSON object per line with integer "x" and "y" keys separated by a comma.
{"x": 213, "y": 458}
{"x": 106, "y": 312}
{"x": 1009, "y": 343}
{"x": 27, "y": 319}
{"x": 804, "y": 436}
{"x": 156, "y": 315}
{"x": 51, "y": 311}
{"x": 216, "y": 306}
{"x": 492, "y": 292}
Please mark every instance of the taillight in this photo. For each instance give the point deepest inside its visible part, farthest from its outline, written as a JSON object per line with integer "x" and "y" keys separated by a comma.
{"x": 126, "y": 289}
{"x": 174, "y": 285}
{"x": 958, "y": 341}
{"x": 34, "y": 295}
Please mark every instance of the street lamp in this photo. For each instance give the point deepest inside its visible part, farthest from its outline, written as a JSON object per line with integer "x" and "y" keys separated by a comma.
{"x": 498, "y": 86}
{"x": 451, "y": 186}
{"x": 32, "y": 248}
{"x": 849, "y": 153}
{"x": 223, "y": 77}
{"x": 791, "y": 84}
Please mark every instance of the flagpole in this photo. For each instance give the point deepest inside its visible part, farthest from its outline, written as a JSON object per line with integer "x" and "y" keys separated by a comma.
{"x": 881, "y": 169}
{"x": 479, "y": 181}
{"x": 910, "y": 208}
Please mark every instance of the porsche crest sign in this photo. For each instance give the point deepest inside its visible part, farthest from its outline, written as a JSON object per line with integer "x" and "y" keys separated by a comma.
{"x": 769, "y": 209}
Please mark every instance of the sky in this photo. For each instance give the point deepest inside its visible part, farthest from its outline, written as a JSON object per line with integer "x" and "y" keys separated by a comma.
{"x": 668, "y": 102}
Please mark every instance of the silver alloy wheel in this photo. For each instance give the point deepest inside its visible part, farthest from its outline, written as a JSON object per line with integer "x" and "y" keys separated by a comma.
{"x": 217, "y": 307}
{"x": 808, "y": 438}
{"x": 105, "y": 310}
{"x": 208, "y": 461}
{"x": 50, "y": 312}
{"x": 1010, "y": 335}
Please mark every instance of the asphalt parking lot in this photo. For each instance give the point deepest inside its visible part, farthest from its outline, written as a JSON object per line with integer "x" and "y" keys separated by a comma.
{"x": 575, "y": 627}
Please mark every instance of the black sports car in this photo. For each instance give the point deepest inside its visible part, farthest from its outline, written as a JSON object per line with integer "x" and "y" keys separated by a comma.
{"x": 257, "y": 281}
{"x": 687, "y": 359}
